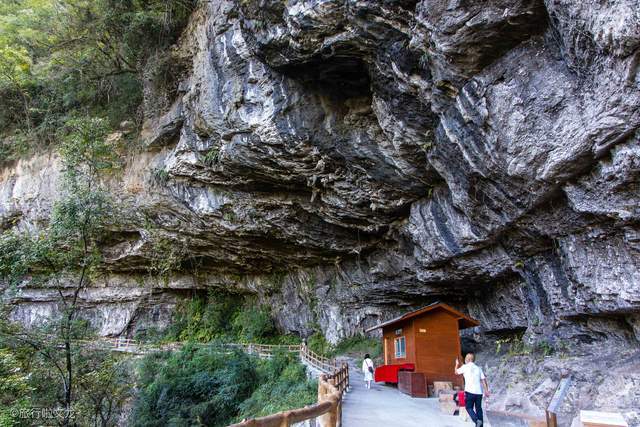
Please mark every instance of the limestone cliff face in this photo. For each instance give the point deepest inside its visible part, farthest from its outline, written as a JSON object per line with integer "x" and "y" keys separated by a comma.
{"x": 345, "y": 160}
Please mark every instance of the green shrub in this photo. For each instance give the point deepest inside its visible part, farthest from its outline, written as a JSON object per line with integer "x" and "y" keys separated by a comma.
{"x": 14, "y": 146}
{"x": 212, "y": 156}
{"x": 208, "y": 386}
{"x": 160, "y": 176}
{"x": 319, "y": 344}
{"x": 14, "y": 389}
{"x": 166, "y": 256}
{"x": 193, "y": 387}
{"x": 284, "y": 385}
{"x": 225, "y": 317}
{"x": 102, "y": 381}
{"x": 517, "y": 346}
{"x": 286, "y": 339}
{"x": 253, "y": 324}
{"x": 204, "y": 318}
{"x": 543, "y": 348}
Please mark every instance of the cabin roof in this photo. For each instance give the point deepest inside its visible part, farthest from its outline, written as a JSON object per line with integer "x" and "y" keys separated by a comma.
{"x": 464, "y": 321}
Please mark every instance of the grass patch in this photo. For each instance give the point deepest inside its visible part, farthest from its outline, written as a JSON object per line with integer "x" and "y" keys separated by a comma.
{"x": 516, "y": 346}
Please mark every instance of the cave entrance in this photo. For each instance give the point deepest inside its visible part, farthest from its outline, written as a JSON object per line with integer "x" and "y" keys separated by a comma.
{"x": 339, "y": 76}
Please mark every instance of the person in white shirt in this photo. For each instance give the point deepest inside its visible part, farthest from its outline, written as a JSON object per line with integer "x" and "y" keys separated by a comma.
{"x": 474, "y": 381}
{"x": 367, "y": 369}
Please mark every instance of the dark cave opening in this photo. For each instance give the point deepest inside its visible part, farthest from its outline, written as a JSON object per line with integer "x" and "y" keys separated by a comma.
{"x": 340, "y": 76}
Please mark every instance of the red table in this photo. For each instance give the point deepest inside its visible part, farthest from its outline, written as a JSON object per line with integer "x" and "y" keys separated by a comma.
{"x": 389, "y": 373}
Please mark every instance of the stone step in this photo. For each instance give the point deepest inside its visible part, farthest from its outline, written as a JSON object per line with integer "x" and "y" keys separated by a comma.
{"x": 602, "y": 419}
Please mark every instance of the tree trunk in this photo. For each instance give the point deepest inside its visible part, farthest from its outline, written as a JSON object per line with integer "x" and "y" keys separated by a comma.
{"x": 69, "y": 367}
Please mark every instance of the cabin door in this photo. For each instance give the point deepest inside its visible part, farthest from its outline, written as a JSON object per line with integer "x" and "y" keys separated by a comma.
{"x": 386, "y": 351}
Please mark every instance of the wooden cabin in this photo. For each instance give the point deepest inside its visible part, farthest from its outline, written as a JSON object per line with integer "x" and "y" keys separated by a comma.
{"x": 428, "y": 338}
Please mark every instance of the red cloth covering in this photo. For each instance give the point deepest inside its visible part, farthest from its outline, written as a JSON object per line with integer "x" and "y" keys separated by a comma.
{"x": 389, "y": 373}
{"x": 461, "y": 401}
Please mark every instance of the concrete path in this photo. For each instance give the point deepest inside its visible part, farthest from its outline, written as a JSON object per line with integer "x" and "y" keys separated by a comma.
{"x": 385, "y": 406}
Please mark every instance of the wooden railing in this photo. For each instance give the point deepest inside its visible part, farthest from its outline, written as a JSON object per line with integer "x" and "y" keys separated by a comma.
{"x": 117, "y": 344}
{"x": 264, "y": 350}
{"x": 554, "y": 406}
{"x": 327, "y": 411}
{"x": 306, "y": 355}
{"x": 551, "y": 413}
{"x": 139, "y": 347}
{"x": 317, "y": 361}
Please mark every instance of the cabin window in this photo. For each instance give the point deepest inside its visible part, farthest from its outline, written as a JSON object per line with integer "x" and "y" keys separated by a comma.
{"x": 401, "y": 348}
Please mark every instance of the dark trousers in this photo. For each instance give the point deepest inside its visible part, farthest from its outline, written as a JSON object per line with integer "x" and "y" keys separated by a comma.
{"x": 473, "y": 403}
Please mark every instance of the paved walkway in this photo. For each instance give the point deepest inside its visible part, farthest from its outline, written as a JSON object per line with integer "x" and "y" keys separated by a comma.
{"x": 385, "y": 406}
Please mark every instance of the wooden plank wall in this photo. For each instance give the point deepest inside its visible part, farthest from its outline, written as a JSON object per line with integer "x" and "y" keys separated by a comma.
{"x": 389, "y": 335}
{"x": 438, "y": 346}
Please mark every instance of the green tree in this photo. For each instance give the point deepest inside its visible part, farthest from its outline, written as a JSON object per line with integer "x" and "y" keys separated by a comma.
{"x": 253, "y": 323}
{"x": 63, "y": 57}
{"x": 22, "y": 30}
{"x": 66, "y": 253}
{"x": 105, "y": 385}
{"x": 209, "y": 386}
{"x": 193, "y": 387}
{"x": 14, "y": 381}
{"x": 283, "y": 385}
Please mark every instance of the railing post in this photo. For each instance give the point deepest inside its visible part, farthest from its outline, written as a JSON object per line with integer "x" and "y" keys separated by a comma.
{"x": 285, "y": 419}
{"x": 324, "y": 420}
{"x": 346, "y": 377}
{"x": 321, "y": 387}
{"x": 556, "y": 401}
{"x": 333, "y": 413}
